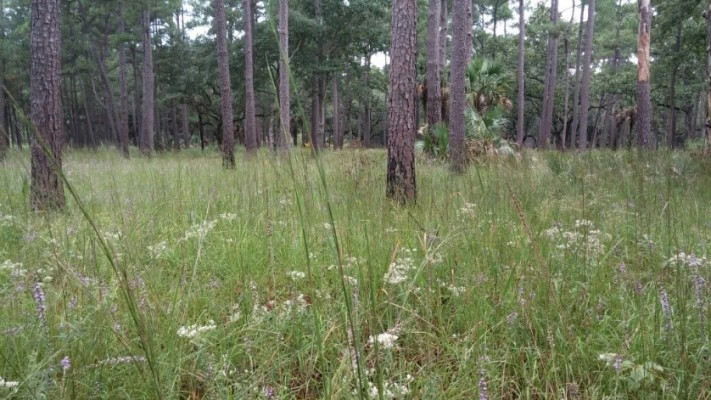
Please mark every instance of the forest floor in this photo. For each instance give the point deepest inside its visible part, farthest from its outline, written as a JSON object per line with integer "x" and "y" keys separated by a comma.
{"x": 555, "y": 276}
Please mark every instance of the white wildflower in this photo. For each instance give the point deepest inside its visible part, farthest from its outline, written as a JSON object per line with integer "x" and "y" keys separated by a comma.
{"x": 193, "y": 331}
{"x": 399, "y": 269}
{"x": 229, "y": 217}
{"x": 327, "y": 226}
{"x": 157, "y": 249}
{"x": 199, "y": 230}
{"x": 296, "y": 275}
{"x": 8, "y": 384}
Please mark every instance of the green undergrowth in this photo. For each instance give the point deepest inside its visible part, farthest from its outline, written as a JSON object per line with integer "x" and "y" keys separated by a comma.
{"x": 554, "y": 276}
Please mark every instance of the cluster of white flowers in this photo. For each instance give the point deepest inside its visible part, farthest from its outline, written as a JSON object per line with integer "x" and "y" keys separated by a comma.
{"x": 387, "y": 339}
{"x": 434, "y": 258}
{"x": 467, "y": 209}
{"x": 582, "y": 237}
{"x": 8, "y": 384}
{"x": 399, "y": 269}
{"x": 455, "y": 290}
{"x": 327, "y": 226}
{"x": 193, "y": 331}
{"x": 296, "y": 275}
{"x": 687, "y": 260}
{"x": 121, "y": 360}
{"x": 7, "y": 220}
{"x": 229, "y": 217}
{"x": 16, "y": 270}
{"x": 199, "y": 230}
{"x": 285, "y": 201}
{"x": 391, "y": 390}
{"x": 158, "y": 249}
{"x": 113, "y": 236}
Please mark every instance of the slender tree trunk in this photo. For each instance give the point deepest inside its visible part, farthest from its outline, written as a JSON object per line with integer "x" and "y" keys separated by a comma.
{"x": 47, "y": 188}
{"x": 228, "y": 132}
{"x": 337, "y": 129}
{"x": 366, "y": 107}
{"x": 671, "y": 120}
{"x": 4, "y": 137}
{"x": 401, "y": 182}
{"x": 585, "y": 84}
{"x": 174, "y": 128}
{"x": 520, "y": 123}
{"x": 443, "y": 20}
{"x": 460, "y": 26}
{"x": 89, "y": 136}
{"x": 546, "y": 125}
{"x": 137, "y": 116}
{"x": 284, "y": 95}
{"x": 147, "y": 107}
{"x": 315, "y": 114}
{"x": 707, "y": 123}
{"x": 644, "y": 100}
{"x": 250, "y": 125}
{"x": 576, "y": 83}
{"x": 122, "y": 123}
{"x": 185, "y": 125}
{"x": 201, "y": 128}
{"x": 434, "y": 100}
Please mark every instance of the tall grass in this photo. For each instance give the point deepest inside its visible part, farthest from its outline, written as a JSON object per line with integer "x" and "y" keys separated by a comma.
{"x": 554, "y": 276}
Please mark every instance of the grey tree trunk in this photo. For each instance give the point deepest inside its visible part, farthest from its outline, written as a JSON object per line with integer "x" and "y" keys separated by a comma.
{"x": 366, "y": 106}
{"x": 707, "y": 123}
{"x": 671, "y": 100}
{"x": 585, "y": 84}
{"x": 4, "y": 137}
{"x": 250, "y": 125}
{"x": 576, "y": 83}
{"x": 401, "y": 182}
{"x": 284, "y": 98}
{"x": 460, "y": 44}
{"x": 337, "y": 129}
{"x": 443, "y": 20}
{"x": 228, "y": 131}
{"x": 645, "y": 138}
{"x": 46, "y": 188}
{"x": 185, "y": 125}
{"x": 520, "y": 122}
{"x": 122, "y": 123}
{"x": 434, "y": 99}
{"x": 550, "y": 79}
{"x": 147, "y": 105}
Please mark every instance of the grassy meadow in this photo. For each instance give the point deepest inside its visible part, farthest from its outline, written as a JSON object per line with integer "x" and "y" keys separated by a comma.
{"x": 553, "y": 276}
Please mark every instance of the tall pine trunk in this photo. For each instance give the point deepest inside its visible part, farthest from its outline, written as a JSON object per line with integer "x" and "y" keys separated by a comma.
{"x": 520, "y": 122}
{"x": 460, "y": 44}
{"x": 147, "y": 104}
{"x": 546, "y": 125}
{"x": 47, "y": 188}
{"x": 401, "y": 182}
{"x": 337, "y": 128}
{"x": 284, "y": 95}
{"x": 576, "y": 79}
{"x": 122, "y": 123}
{"x": 644, "y": 100}
{"x": 250, "y": 124}
{"x": 228, "y": 131}
{"x": 434, "y": 101}
{"x": 585, "y": 84}
{"x": 4, "y": 137}
{"x": 671, "y": 100}
{"x": 707, "y": 123}
{"x": 366, "y": 105}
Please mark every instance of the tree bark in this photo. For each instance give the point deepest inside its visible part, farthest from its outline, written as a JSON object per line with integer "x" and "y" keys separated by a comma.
{"x": 434, "y": 99}
{"x": 585, "y": 84}
{"x": 576, "y": 83}
{"x": 185, "y": 125}
{"x": 284, "y": 95}
{"x": 550, "y": 80}
{"x": 671, "y": 120}
{"x": 366, "y": 106}
{"x": 250, "y": 127}
{"x": 644, "y": 101}
{"x": 147, "y": 104}
{"x": 123, "y": 94}
{"x": 401, "y": 182}
{"x": 4, "y": 137}
{"x": 228, "y": 132}
{"x": 707, "y": 123}
{"x": 337, "y": 129}
{"x": 47, "y": 188}
{"x": 460, "y": 43}
{"x": 520, "y": 124}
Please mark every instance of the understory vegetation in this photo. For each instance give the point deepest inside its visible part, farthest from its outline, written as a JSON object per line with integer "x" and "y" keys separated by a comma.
{"x": 548, "y": 276}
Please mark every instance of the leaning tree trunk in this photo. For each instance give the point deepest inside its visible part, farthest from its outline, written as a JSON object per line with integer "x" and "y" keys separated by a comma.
{"x": 250, "y": 124}
{"x": 401, "y": 182}
{"x": 585, "y": 84}
{"x": 434, "y": 99}
{"x": 147, "y": 105}
{"x": 457, "y": 151}
{"x": 520, "y": 123}
{"x": 284, "y": 98}
{"x": 550, "y": 79}
{"x": 228, "y": 132}
{"x": 644, "y": 102}
{"x": 46, "y": 189}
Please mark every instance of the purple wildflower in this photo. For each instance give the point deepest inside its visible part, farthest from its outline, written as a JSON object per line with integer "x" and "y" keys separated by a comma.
{"x": 483, "y": 390}
{"x": 666, "y": 308}
{"x": 511, "y": 318}
{"x": 617, "y": 364}
{"x": 66, "y": 363}
{"x": 38, "y": 295}
{"x": 269, "y": 392}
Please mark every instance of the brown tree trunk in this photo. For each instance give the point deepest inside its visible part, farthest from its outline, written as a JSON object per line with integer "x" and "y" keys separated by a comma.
{"x": 174, "y": 127}
{"x": 315, "y": 114}
{"x": 123, "y": 94}
{"x": 707, "y": 123}
{"x": 585, "y": 84}
{"x": 644, "y": 101}
{"x": 457, "y": 94}
{"x": 576, "y": 83}
{"x": 401, "y": 182}
{"x": 250, "y": 125}
{"x": 4, "y": 137}
{"x": 614, "y": 98}
{"x": 443, "y": 20}
{"x": 366, "y": 107}
{"x": 434, "y": 100}
{"x": 520, "y": 123}
{"x": 284, "y": 95}
{"x": 671, "y": 120}
{"x": 546, "y": 125}
{"x": 47, "y": 188}
{"x": 147, "y": 105}
{"x": 337, "y": 129}
{"x": 228, "y": 132}
{"x": 185, "y": 125}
